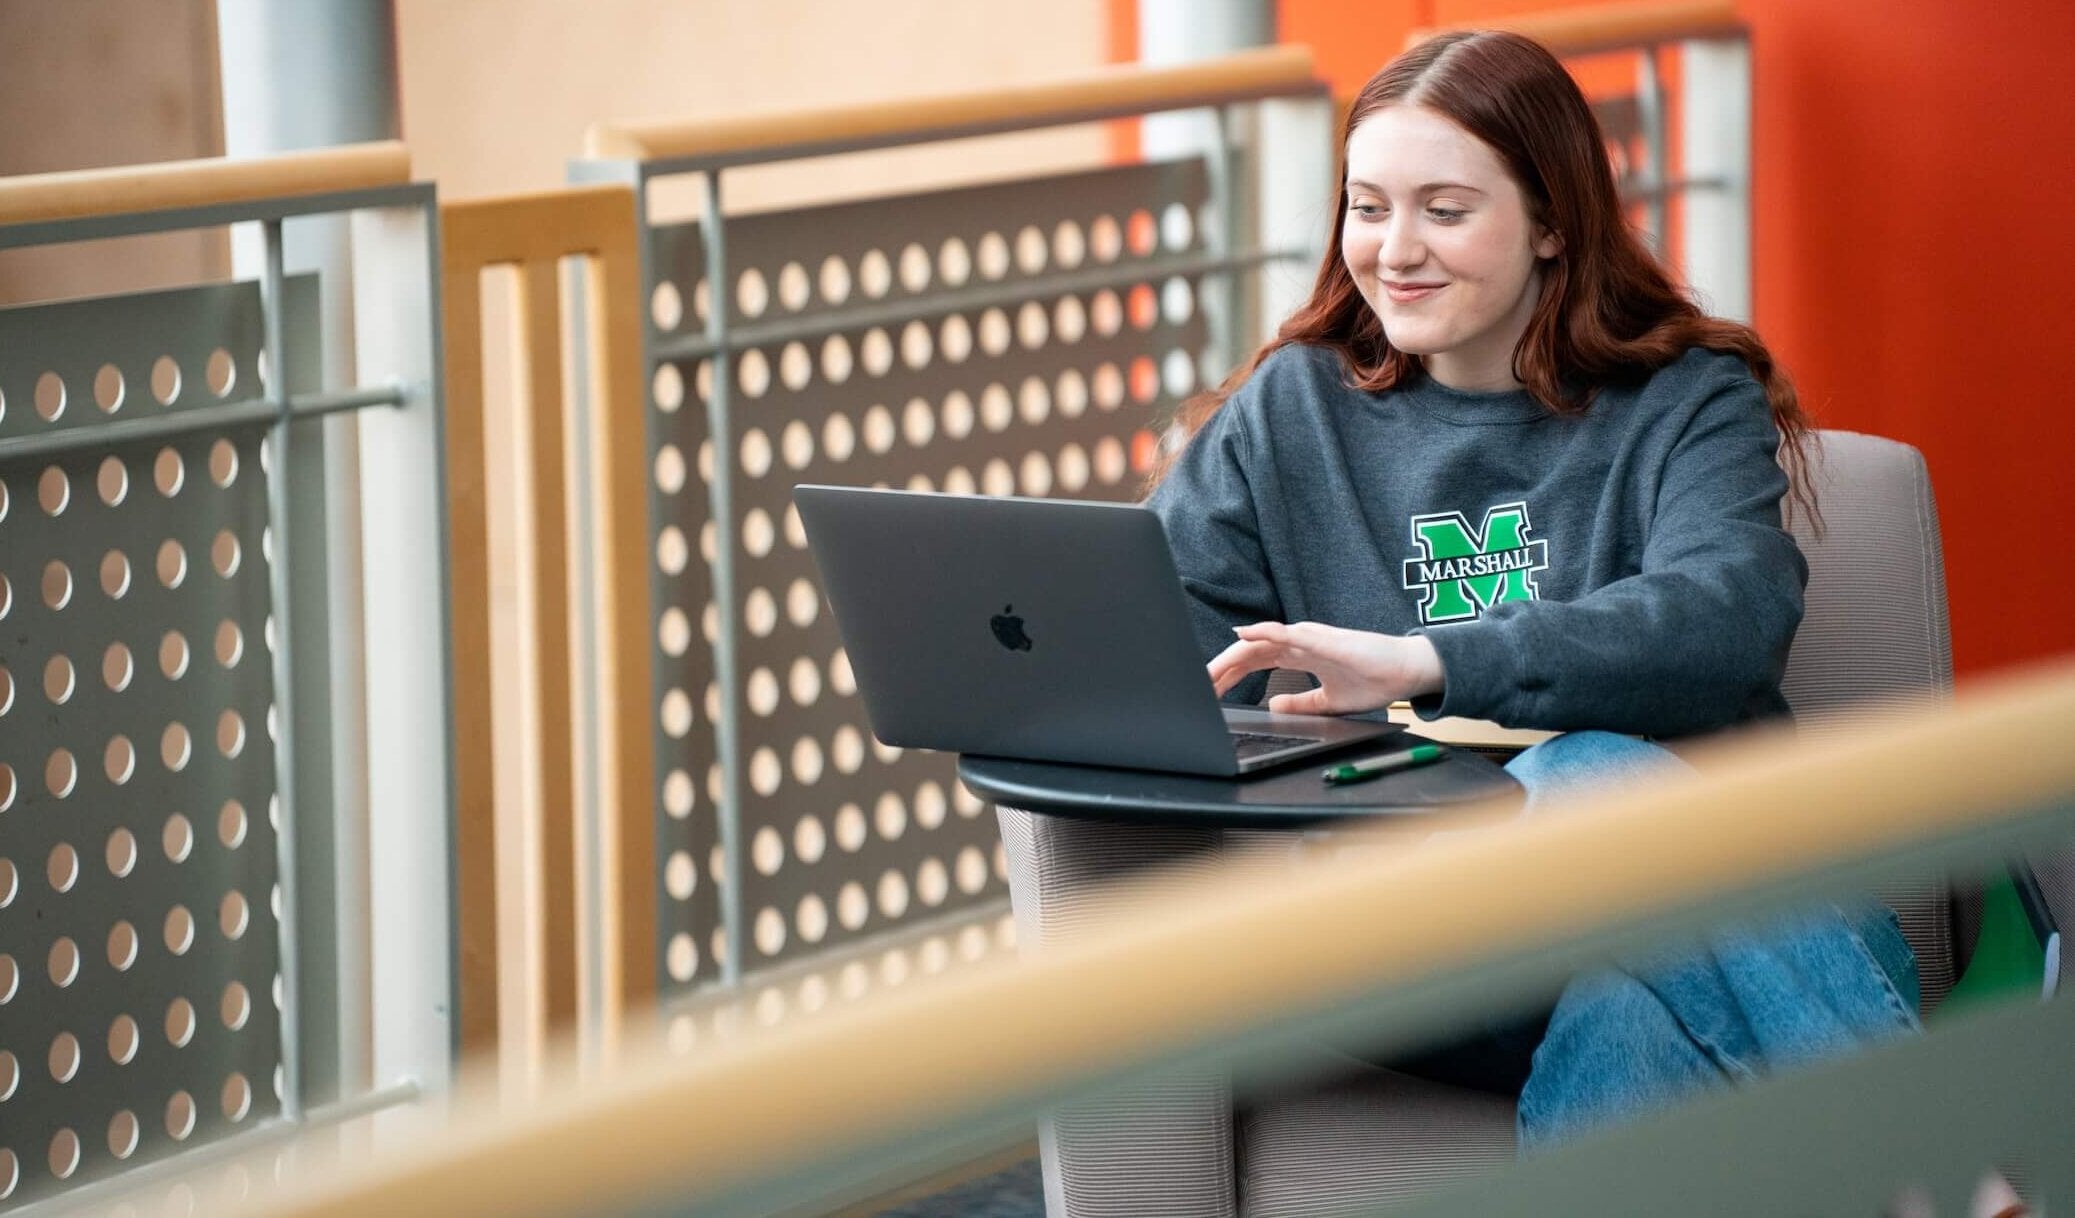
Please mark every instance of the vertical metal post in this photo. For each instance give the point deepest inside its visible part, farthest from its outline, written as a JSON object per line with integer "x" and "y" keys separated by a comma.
{"x": 1650, "y": 116}
{"x": 413, "y": 962}
{"x": 586, "y": 578}
{"x": 721, "y": 496}
{"x": 1294, "y": 164}
{"x": 311, "y": 75}
{"x": 1225, "y": 307}
{"x": 1715, "y": 125}
{"x": 1177, "y": 31}
{"x": 275, "y": 301}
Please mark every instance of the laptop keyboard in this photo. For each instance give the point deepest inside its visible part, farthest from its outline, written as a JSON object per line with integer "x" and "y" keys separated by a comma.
{"x": 1254, "y": 744}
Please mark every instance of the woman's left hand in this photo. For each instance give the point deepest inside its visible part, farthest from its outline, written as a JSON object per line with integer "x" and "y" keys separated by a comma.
{"x": 1357, "y": 670}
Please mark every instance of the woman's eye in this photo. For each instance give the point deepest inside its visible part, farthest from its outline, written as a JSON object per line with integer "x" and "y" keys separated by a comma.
{"x": 1367, "y": 211}
{"x": 1446, "y": 215}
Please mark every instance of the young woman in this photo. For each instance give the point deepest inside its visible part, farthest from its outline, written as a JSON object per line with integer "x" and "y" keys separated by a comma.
{"x": 1499, "y": 464}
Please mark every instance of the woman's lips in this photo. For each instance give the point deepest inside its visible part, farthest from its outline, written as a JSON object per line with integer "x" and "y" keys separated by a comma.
{"x": 1409, "y": 293}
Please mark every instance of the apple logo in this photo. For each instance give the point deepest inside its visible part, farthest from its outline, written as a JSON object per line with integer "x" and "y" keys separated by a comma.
{"x": 1008, "y": 628}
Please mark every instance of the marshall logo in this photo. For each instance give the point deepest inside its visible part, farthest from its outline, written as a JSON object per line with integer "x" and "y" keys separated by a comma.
{"x": 1464, "y": 571}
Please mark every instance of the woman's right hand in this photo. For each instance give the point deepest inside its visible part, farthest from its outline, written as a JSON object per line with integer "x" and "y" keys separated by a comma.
{"x": 1357, "y": 670}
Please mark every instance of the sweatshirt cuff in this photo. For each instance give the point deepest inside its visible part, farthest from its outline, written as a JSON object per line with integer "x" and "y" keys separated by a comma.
{"x": 1480, "y": 675}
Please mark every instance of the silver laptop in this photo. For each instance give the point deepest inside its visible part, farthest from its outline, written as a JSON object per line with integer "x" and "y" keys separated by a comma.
{"x": 1036, "y": 628}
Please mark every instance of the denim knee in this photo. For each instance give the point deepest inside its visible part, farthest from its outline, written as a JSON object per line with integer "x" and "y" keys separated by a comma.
{"x": 1575, "y": 761}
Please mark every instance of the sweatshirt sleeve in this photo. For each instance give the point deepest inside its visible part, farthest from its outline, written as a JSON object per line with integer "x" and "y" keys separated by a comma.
{"x": 1206, "y": 505}
{"x": 1695, "y": 640}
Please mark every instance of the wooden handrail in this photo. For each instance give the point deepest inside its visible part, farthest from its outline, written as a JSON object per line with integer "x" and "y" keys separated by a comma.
{"x": 1208, "y": 958}
{"x": 1264, "y": 71}
{"x": 79, "y": 194}
{"x": 1612, "y": 27}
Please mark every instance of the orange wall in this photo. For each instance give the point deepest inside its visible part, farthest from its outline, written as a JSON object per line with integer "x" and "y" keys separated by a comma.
{"x": 1914, "y": 250}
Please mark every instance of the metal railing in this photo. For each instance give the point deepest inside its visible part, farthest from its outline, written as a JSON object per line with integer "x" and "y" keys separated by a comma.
{"x": 703, "y": 332}
{"x": 240, "y": 368}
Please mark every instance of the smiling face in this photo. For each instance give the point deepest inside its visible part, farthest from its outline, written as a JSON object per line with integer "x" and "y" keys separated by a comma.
{"x": 1438, "y": 238}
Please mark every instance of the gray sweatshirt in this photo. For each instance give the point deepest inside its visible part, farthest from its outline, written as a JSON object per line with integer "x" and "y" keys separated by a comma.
{"x": 1625, "y": 569}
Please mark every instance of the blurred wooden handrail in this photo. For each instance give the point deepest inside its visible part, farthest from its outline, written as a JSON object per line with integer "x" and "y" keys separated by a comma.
{"x": 83, "y": 193}
{"x": 1196, "y": 961}
{"x": 1612, "y": 27}
{"x": 1266, "y": 71}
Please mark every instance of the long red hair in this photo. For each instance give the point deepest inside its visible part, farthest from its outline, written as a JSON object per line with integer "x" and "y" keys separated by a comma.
{"x": 1609, "y": 312}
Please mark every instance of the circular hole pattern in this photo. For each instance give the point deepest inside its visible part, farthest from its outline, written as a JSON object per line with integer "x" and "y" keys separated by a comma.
{"x": 225, "y": 553}
{"x": 119, "y": 760}
{"x": 237, "y": 1097}
{"x": 223, "y": 463}
{"x": 230, "y": 643}
{"x": 682, "y": 957}
{"x": 172, "y": 563}
{"x": 666, "y": 306}
{"x": 752, "y": 293}
{"x": 115, "y": 574}
{"x": 230, "y": 733}
{"x": 835, "y": 280}
{"x": 109, "y": 388}
{"x": 123, "y": 1131}
{"x": 168, "y": 472}
{"x": 233, "y": 915}
{"x": 178, "y": 838}
{"x": 64, "y": 961}
{"x": 179, "y": 931}
{"x": 121, "y": 853}
{"x": 53, "y": 491}
{"x": 1031, "y": 250}
{"x": 165, "y": 379}
{"x": 61, "y": 773}
{"x": 123, "y": 943}
{"x": 50, "y": 397}
{"x": 680, "y": 876}
{"x": 59, "y": 679}
{"x": 64, "y": 1057}
{"x": 794, "y": 290}
{"x": 874, "y": 273}
{"x": 123, "y": 1040}
{"x": 57, "y": 585}
{"x": 180, "y": 1022}
{"x": 64, "y": 1154}
{"x": 231, "y": 825}
{"x": 173, "y": 655}
{"x": 176, "y": 747}
{"x": 112, "y": 481}
{"x": 236, "y": 1006}
{"x": 221, "y": 373}
{"x": 668, "y": 389}
{"x": 62, "y": 870}
{"x": 180, "y": 1116}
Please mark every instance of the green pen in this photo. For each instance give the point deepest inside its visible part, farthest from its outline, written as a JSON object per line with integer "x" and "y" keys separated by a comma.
{"x": 1388, "y": 763}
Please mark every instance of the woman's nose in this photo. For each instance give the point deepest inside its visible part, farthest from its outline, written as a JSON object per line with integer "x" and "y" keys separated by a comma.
{"x": 1402, "y": 247}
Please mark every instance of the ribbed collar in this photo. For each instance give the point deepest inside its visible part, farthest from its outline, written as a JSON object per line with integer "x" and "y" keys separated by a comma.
{"x": 1471, "y": 407}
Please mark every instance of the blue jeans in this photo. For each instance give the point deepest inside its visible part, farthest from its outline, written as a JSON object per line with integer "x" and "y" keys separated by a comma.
{"x": 1623, "y": 1040}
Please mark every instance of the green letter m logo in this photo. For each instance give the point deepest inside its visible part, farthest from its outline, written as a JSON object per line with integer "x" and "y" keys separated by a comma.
{"x": 1463, "y": 571}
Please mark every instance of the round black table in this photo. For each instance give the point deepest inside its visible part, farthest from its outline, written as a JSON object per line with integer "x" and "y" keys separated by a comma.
{"x": 1284, "y": 798}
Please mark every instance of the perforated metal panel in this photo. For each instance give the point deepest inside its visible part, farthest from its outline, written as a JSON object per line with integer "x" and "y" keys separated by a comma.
{"x": 1055, "y": 394}
{"x": 138, "y": 954}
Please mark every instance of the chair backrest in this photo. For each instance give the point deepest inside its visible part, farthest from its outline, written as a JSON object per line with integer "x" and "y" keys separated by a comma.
{"x": 1876, "y": 624}
{"x": 1875, "y": 628}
